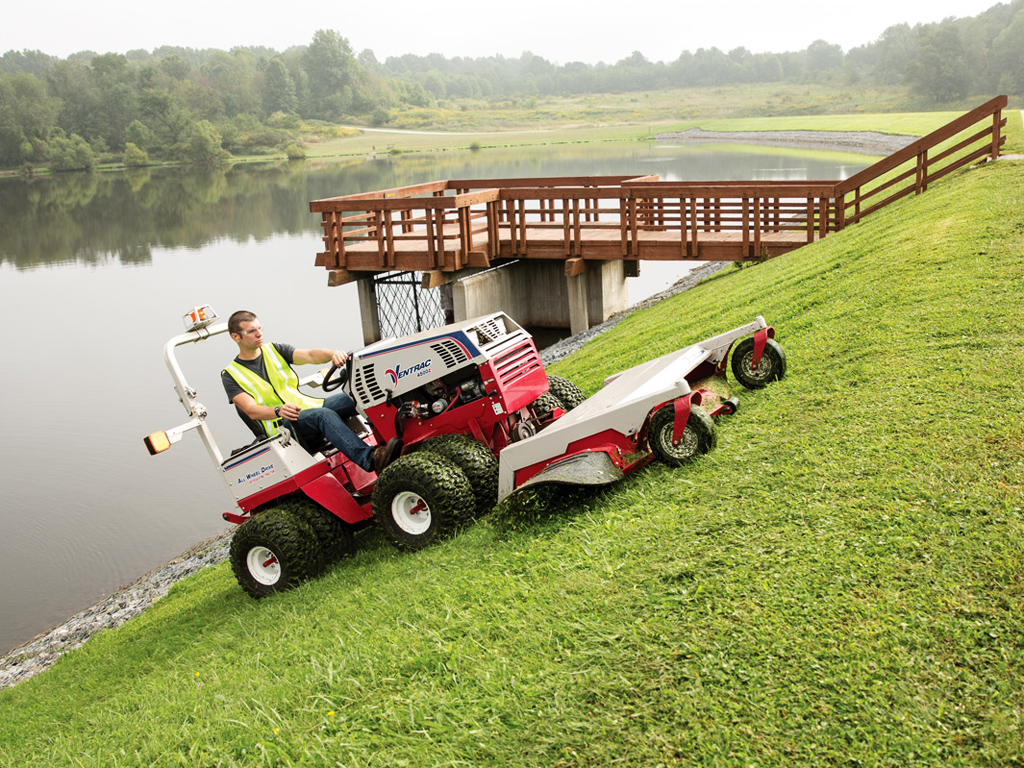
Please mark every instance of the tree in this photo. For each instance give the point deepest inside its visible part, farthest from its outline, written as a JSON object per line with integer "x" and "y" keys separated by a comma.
{"x": 278, "y": 89}
{"x": 27, "y": 115}
{"x": 1008, "y": 54}
{"x": 332, "y": 72}
{"x": 939, "y": 71}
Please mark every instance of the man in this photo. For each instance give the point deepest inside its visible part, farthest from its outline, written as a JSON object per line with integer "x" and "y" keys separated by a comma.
{"x": 262, "y": 384}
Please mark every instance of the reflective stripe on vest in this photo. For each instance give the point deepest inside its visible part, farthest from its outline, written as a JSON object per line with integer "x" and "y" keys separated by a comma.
{"x": 282, "y": 387}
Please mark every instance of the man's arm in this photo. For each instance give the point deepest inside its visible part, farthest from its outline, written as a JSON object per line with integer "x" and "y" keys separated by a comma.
{"x": 258, "y": 412}
{"x": 319, "y": 356}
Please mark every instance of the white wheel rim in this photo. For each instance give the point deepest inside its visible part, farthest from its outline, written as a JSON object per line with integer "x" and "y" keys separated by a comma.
{"x": 410, "y": 513}
{"x": 263, "y": 565}
{"x": 764, "y": 367}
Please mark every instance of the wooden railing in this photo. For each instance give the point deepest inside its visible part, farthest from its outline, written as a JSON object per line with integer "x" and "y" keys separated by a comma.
{"x": 450, "y": 225}
{"x": 912, "y": 169}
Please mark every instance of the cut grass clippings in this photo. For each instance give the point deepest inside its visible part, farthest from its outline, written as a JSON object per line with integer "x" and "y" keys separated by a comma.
{"x": 841, "y": 582}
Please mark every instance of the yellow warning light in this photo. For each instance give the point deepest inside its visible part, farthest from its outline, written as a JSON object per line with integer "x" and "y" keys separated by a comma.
{"x": 158, "y": 442}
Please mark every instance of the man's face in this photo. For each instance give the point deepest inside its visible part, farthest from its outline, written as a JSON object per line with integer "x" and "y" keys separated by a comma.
{"x": 250, "y": 336}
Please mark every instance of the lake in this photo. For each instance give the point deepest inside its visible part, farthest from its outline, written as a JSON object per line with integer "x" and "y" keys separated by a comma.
{"x": 96, "y": 271}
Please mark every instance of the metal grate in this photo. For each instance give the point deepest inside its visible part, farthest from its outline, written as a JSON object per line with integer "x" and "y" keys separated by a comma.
{"x": 405, "y": 307}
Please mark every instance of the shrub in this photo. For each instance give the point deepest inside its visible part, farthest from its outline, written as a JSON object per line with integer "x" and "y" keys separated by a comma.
{"x": 133, "y": 156}
{"x": 295, "y": 151}
{"x": 71, "y": 154}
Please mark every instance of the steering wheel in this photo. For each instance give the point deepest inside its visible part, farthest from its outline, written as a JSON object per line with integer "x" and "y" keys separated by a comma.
{"x": 344, "y": 374}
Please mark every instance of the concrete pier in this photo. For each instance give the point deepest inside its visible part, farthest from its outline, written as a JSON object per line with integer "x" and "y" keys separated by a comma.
{"x": 538, "y": 293}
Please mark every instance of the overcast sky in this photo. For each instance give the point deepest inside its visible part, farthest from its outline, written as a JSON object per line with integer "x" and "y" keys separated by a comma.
{"x": 557, "y": 30}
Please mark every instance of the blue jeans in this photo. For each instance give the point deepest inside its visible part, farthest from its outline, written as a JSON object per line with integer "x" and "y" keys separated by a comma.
{"x": 328, "y": 421}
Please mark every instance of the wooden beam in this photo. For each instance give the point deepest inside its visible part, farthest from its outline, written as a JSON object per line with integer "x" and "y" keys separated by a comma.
{"x": 574, "y": 267}
{"x": 336, "y": 277}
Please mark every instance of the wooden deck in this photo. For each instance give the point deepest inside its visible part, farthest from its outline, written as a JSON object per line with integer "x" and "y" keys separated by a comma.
{"x": 446, "y": 226}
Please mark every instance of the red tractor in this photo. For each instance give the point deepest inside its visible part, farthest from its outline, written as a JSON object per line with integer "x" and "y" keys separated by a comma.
{"x": 480, "y": 419}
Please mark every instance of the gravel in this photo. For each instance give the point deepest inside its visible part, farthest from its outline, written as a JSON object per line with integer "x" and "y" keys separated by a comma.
{"x": 866, "y": 142}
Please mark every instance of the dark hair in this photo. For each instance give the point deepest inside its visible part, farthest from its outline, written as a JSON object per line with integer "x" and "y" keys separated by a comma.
{"x": 239, "y": 317}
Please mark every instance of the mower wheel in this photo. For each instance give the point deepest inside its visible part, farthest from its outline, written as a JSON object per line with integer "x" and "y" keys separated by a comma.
{"x": 332, "y": 533}
{"x": 772, "y": 366}
{"x": 698, "y": 436}
{"x": 566, "y": 391}
{"x": 477, "y": 463}
{"x": 420, "y": 497}
{"x": 273, "y": 551}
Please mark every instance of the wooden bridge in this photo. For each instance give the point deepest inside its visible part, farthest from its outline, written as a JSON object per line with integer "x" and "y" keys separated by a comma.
{"x": 448, "y": 226}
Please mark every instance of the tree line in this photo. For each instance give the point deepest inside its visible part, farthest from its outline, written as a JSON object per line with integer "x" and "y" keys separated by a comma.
{"x": 201, "y": 106}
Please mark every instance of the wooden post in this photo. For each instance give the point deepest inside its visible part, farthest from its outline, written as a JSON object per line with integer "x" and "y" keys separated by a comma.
{"x": 997, "y": 119}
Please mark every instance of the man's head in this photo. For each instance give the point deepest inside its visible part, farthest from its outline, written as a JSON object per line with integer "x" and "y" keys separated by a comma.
{"x": 244, "y": 328}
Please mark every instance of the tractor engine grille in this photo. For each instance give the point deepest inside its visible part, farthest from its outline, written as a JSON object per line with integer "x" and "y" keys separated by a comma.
{"x": 365, "y": 385}
{"x": 518, "y": 362}
{"x": 451, "y": 354}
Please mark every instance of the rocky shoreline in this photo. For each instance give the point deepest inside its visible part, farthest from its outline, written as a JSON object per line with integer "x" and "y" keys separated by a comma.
{"x": 35, "y": 656}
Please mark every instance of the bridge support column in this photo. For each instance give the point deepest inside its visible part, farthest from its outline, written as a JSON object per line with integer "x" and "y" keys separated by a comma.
{"x": 368, "y": 310}
{"x": 537, "y": 294}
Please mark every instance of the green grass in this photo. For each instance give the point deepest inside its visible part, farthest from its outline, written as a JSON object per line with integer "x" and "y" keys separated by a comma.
{"x": 841, "y": 582}
{"x": 639, "y": 116}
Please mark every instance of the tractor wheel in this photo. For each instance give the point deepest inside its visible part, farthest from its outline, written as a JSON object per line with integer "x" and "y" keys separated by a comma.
{"x": 274, "y": 551}
{"x": 771, "y": 368}
{"x": 698, "y": 437}
{"x": 476, "y": 462}
{"x": 545, "y": 404}
{"x": 333, "y": 534}
{"x": 421, "y": 497}
{"x": 566, "y": 391}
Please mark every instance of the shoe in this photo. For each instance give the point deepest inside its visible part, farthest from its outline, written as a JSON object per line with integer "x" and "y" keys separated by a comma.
{"x": 385, "y": 454}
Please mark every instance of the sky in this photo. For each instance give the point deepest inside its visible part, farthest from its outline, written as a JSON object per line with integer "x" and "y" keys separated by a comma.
{"x": 558, "y": 31}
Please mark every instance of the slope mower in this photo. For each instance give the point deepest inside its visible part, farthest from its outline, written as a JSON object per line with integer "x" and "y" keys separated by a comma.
{"x": 480, "y": 419}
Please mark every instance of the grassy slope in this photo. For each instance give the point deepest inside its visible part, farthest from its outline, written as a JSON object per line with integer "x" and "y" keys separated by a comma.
{"x": 840, "y": 582}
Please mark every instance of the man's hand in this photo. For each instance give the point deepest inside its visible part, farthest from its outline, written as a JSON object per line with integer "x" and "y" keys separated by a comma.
{"x": 339, "y": 358}
{"x": 290, "y": 412}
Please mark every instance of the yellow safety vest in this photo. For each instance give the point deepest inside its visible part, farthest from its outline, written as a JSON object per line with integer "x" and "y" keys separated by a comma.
{"x": 283, "y": 386}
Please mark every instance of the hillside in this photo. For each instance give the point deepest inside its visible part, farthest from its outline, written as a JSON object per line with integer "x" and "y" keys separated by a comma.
{"x": 840, "y": 582}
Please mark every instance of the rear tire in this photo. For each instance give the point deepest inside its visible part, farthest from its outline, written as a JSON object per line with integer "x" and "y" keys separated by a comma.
{"x": 476, "y": 462}
{"x": 421, "y": 497}
{"x": 772, "y": 366}
{"x": 568, "y": 393}
{"x": 697, "y": 439}
{"x": 274, "y": 551}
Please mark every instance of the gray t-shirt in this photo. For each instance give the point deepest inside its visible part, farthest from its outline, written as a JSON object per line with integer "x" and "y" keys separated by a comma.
{"x": 257, "y": 366}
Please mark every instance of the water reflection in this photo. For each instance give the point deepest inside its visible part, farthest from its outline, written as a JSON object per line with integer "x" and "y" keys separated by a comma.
{"x": 88, "y": 217}
{"x": 95, "y": 273}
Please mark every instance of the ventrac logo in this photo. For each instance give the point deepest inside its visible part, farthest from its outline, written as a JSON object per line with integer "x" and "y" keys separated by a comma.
{"x": 398, "y": 373}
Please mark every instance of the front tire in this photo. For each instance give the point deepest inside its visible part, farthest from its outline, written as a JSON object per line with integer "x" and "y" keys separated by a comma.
{"x": 697, "y": 439}
{"x": 332, "y": 533}
{"x": 274, "y": 551}
{"x": 421, "y": 497}
{"x": 772, "y": 366}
